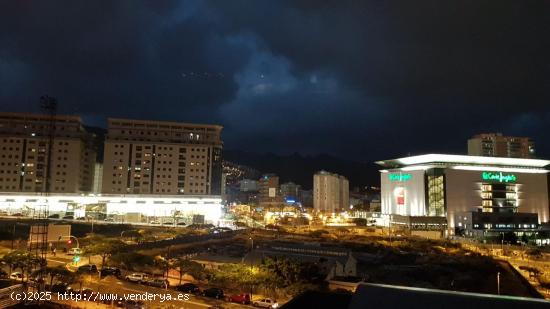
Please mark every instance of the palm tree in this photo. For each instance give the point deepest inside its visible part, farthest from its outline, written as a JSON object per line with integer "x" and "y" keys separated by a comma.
{"x": 162, "y": 264}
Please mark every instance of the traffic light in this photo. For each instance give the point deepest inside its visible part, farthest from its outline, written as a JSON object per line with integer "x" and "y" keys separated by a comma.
{"x": 76, "y": 258}
{"x": 69, "y": 241}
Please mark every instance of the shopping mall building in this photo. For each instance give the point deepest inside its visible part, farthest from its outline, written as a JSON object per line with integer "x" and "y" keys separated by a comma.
{"x": 117, "y": 208}
{"x": 468, "y": 195}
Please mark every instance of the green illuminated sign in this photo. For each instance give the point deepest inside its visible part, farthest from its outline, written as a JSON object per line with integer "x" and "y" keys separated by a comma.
{"x": 498, "y": 176}
{"x": 399, "y": 177}
{"x": 76, "y": 258}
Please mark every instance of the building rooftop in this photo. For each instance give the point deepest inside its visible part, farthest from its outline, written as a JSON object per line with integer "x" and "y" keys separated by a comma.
{"x": 138, "y": 123}
{"x": 432, "y": 160}
{"x": 392, "y": 296}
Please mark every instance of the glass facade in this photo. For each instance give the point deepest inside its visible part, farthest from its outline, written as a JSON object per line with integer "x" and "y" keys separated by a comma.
{"x": 436, "y": 192}
{"x": 499, "y": 197}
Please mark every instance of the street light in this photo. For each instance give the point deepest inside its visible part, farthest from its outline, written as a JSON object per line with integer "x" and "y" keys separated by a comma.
{"x": 498, "y": 282}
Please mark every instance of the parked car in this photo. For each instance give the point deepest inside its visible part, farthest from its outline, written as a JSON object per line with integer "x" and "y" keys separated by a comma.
{"x": 213, "y": 293}
{"x": 86, "y": 293}
{"x": 134, "y": 304}
{"x": 168, "y": 223}
{"x": 68, "y": 217}
{"x": 54, "y": 216}
{"x": 189, "y": 288}
{"x": 137, "y": 277}
{"x": 266, "y": 303}
{"x": 110, "y": 271}
{"x": 240, "y": 298}
{"x": 109, "y": 220}
{"x": 3, "y": 274}
{"x": 181, "y": 223}
{"x": 154, "y": 222}
{"x": 74, "y": 251}
{"x": 61, "y": 287}
{"x": 158, "y": 282}
{"x": 89, "y": 268}
{"x": 16, "y": 276}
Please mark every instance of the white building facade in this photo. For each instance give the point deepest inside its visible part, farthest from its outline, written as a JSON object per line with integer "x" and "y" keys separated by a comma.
{"x": 125, "y": 208}
{"x": 330, "y": 192}
{"x": 446, "y": 186}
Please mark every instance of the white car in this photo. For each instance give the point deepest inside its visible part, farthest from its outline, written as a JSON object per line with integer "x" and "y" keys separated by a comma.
{"x": 137, "y": 277}
{"x": 16, "y": 276}
{"x": 74, "y": 251}
{"x": 266, "y": 303}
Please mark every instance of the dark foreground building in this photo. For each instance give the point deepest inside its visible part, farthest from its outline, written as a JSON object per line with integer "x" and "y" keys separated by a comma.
{"x": 382, "y": 296}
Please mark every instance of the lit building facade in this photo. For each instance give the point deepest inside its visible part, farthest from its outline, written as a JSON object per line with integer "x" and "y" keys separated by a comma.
{"x": 330, "y": 192}
{"x": 124, "y": 208}
{"x": 162, "y": 158}
{"x": 248, "y": 185}
{"x": 450, "y": 186}
{"x": 268, "y": 187}
{"x": 291, "y": 191}
{"x": 497, "y": 145}
{"x": 24, "y": 149}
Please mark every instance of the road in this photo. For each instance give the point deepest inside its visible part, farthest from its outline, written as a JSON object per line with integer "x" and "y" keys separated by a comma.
{"x": 165, "y": 298}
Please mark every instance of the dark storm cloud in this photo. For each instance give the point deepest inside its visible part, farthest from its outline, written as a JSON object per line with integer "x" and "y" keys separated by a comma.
{"x": 116, "y": 57}
{"x": 362, "y": 79}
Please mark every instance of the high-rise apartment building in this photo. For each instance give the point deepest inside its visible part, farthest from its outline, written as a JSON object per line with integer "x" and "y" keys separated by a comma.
{"x": 330, "y": 192}
{"x": 158, "y": 157}
{"x": 291, "y": 191}
{"x": 248, "y": 185}
{"x": 24, "y": 149}
{"x": 268, "y": 187}
{"x": 497, "y": 145}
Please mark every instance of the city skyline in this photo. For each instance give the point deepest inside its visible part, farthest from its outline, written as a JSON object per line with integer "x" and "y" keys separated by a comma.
{"x": 346, "y": 79}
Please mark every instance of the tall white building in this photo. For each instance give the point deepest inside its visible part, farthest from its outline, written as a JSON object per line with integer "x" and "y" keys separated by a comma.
{"x": 159, "y": 157}
{"x": 330, "y": 192}
{"x": 25, "y": 147}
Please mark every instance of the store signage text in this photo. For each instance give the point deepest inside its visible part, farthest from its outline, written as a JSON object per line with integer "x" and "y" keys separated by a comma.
{"x": 498, "y": 176}
{"x": 399, "y": 177}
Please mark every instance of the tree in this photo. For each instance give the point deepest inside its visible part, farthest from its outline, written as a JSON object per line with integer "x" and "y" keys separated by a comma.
{"x": 294, "y": 276}
{"x": 127, "y": 260}
{"x": 192, "y": 268}
{"x": 23, "y": 260}
{"x": 162, "y": 264}
{"x": 10, "y": 259}
{"x": 60, "y": 273}
{"x": 104, "y": 247}
{"x": 240, "y": 276}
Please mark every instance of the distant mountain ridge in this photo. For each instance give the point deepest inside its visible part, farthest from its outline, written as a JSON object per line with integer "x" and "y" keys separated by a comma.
{"x": 300, "y": 169}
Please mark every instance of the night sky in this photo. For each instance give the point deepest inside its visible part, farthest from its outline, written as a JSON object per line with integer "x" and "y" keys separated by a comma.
{"x": 362, "y": 80}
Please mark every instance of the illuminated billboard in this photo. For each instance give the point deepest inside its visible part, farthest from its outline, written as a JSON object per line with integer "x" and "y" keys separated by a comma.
{"x": 399, "y": 194}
